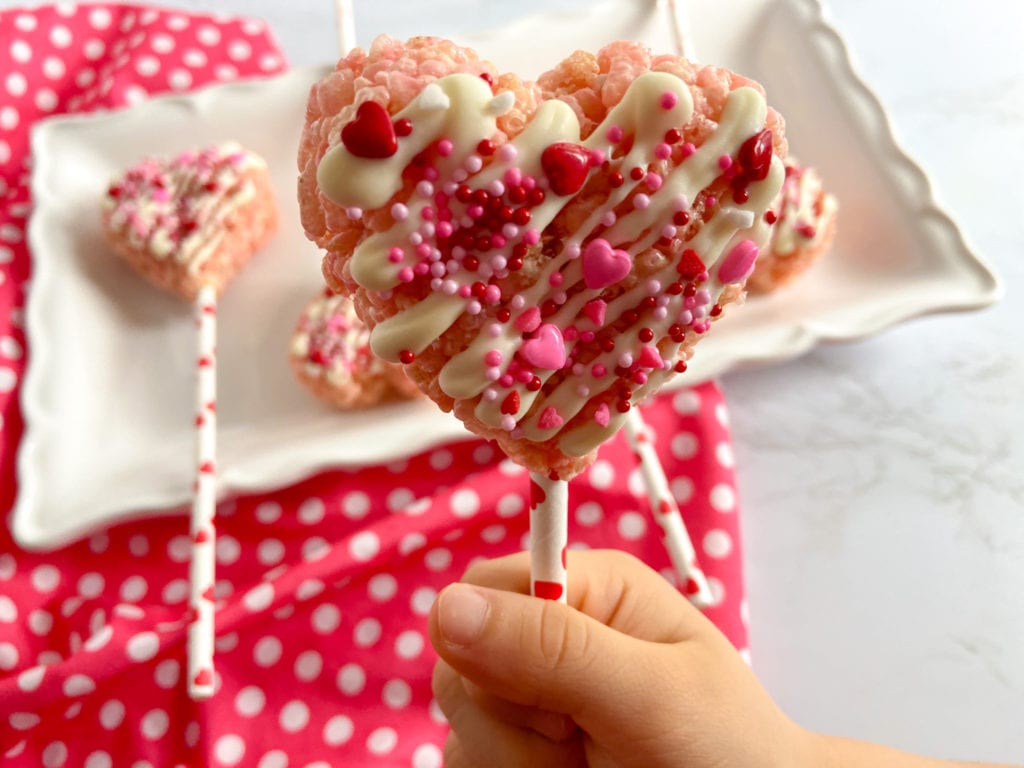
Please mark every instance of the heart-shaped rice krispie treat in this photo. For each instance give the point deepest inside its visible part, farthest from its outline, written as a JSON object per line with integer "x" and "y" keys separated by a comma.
{"x": 540, "y": 256}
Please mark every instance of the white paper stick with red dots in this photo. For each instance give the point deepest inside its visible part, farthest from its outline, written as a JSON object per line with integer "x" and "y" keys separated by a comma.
{"x": 204, "y": 500}
{"x": 346, "y": 25}
{"x": 549, "y": 535}
{"x": 677, "y": 539}
{"x": 680, "y": 30}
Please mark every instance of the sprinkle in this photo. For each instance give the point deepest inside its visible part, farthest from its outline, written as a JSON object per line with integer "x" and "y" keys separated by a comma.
{"x": 354, "y": 212}
{"x": 444, "y": 229}
{"x": 473, "y": 307}
{"x": 424, "y": 189}
{"x": 663, "y": 151}
{"x": 598, "y": 371}
{"x": 725, "y": 162}
{"x": 688, "y": 149}
{"x": 583, "y": 390}
{"x": 437, "y": 269}
{"x": 498, "y": 262}
{"x": 602, "y": 415}
{"x": 490, "y": 394}
{"x": 508, "y": 423}
{"x": 669, "y": 231}
{"x": 703, "y": 296}
{"x": 493, "y": 357}
{"x": 465, "y": 291}
{"x": 653, "y": 181}
{"x": 405, "y": 275}
{"x": 625, "y": 360}
{"x": 668, "y": 100}
{"x": 435, "y": 284}
{"x": 597, "y": 157}
{"x": 614, "y": 134}
{"x": 423, "y": 250}
{"x": 572, "y": 251}
{"x": 492, "y": 294}
{"x": 507, "y": 153}
{"x": 518, "y": 301}
{"x": 475, "y": 211}
{"x": 556, "y": 279}
{"x": 513, "y": 176}
{"x": 506, "y": 380}
{"x": 496, "y": 188}
{"x": 608, "y": 218}
{"x": 660, "y": 313}
{"x": 449, "y": 287}
{"x": 641, "y": 201}
{"x": 450, "y": 187}
{"x": 528, "y": 183}
{"x": 433, "y": 98}
{"x": 532, "y": 236}
{"x": 459, "y": 175}
{"x": 421, "y": 269}
{"x": 510, "y": 231}
{"x": 494, "y": 330}
{"x": 473, "y": 163}
{"x": 653, "y": 287}
{"x": 685, "y": 317}
{"x": 578, "y": 369}
{"x": 501, "y": 104}
{"x": 680, "y": 202}
{"x": 399, "y": 212}
{"x": 587, "y": 336}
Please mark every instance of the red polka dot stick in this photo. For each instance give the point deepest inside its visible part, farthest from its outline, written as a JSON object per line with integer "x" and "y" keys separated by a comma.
{"x": 204, "y": 501}
{"x": 677, "y": 539}
{"x": 549, "y": 533}
{"x": 188, "y": 225}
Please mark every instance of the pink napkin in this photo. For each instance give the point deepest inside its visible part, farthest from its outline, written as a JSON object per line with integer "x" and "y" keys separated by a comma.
{"x": 323, "y": 588}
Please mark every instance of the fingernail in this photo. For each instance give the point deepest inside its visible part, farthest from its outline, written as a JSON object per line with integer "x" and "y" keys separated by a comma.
{"x": 461, "y": 613}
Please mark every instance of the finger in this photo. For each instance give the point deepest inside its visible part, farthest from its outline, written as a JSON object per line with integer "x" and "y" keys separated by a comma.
{"x": 481, "y": 739}
{"x": 610, "y": 586}
{"x": 552, "y": 725}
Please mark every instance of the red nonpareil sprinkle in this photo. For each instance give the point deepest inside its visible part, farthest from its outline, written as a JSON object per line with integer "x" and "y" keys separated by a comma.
{"x": 403, "y": 127}
{"x": 406, "y": 356}
{"x": 485, "y": 148}
{"x": 504, "y": 315}
{"x": 615, "y": 179}
{"x": 770, "y": 217}
{"x": 487, "y": 78}
{"x": 740, "y": 196}
{"x": 646, "y": 335}
{"x": 472, "y": 263}
{"x": 680, "y": 366}
{"x": 637, "y": 173}
{"x": 673, "y": 136}
{"x": 716, "y": 310}
{"x": 521, "y": 216}
{"x": 534, "y": 384}
{"x": 622, "y": 406}
{"x": 680, "y": 218}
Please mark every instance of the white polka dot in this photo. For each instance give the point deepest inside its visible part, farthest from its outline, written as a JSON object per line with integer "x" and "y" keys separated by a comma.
{"x": 267, "y": 651}
{"x": 99, "y": 18}
{"x": 268, "y": 512}
{"x": 397, "y": 694}
{"x": 229, "y": 749}
{"x": 90, "y": 585}
{"x": 510, "y": 468}
{"x": 99, "y": 760}
{"x": 179, "y": 79}
{"x": 326, "y": 618}
{"x": 40, "y": 622}
{"x": 367, "y": 632}
{"x": 717, "y": 590}
{"x": 7, "y": 566}
{"x": 270, "y": 551}
{"x": 422, "y": 600}
{"x": 167, "y": 673}
{"x": 483, "y": 453}
{"x": 11, "y": 234}
{"x": 722, "y": 414}
{"x": 228, "y": 549}
{"x": 60, "y": 36}
{"x": 45, "y": 578}
{"x": 409, "y": 644}
{"x": 440, "y": 459}
{"x": 9, "y": 119}
{"x": 129, "y": 611}
{"x": 25, "y": 22}
{"x": 78, "y": 685}
{"x": 309, "y": 589}
{"x": 8, "y": 610}
{"x": 383, "y": 587}
{"x": 411, "y": 542}
{"x": 315, "y": 548}
{"x": 724, "y": 455}
{"x": 70, "y": 606}
{"x": 55, "y": 754}
{"x": 85, "y": 77}
{"x": 351, "y": 679}
{"x": 686, "y": 402}
{"x": 8, "y": 656}
{"x": 355, "y": 505}
{"x": 427, "y": 756}
{"x": 364, "y": 546}
{"x": 143, "y": 646}
{"x": 494, "y": 534}
{"x": 73, "y": 711}
{"x": 465, "y": 503}
{"x": 147, "y": 66}
{"x": 99, "y": 638}
{"x": 294, "y": 716}
{"x": 239, "y": 50}
{"x": 134, "y": 589}
{"x": 250, "y": 701}
{"x": 337, "y": 730}
{"x": 685, "y": 445}
{"x": 179, "y": 549}
{"x": 194, "y": 58}
{"x": 632, "y": 526}
{"x": 439, "y": 559}
{"x": 53, "y": 68}
{"x": 31, "y": 678}
{"x": 176, "y": 591}
{"x": 275, "y": 758}
{"x": 602, "y": 474}
{"x": 399, "y": 498}
{"x": 723, "y": 498}
{"x": 112, "y": 714}
{"x": 208, "y": 35}
{"x": 23, "y": 721}
{"x": 382, "y": 741}
{"x": 162, "y": 43}
{"x": 66, "y": 9}
{"x": 745, "y": 612}
{"x": 177, "y": 23}
{"x": 311, "y": 511}
{"x": 308, "y": 666}
{"x": 155, "y": 724}
{"x": 589, "y": 514}
{"x": 717, "y": 543}
{"x": 94, "y": 49}
{"x": 192, "y": 733}
{"x": 259, "y": 597}
{"x": 510, "y": 505}
{"x": 21, "y": 51}
{"x": 5, "y": 156}
{"x": 682, "y": 489}
{"x": 227, "y": 642}
{"x": 138, "y": 545}
{"x": 434, "y": 710}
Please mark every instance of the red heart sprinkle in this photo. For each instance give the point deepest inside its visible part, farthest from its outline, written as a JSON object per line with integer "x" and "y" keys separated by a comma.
{"x": 566, "y": 166}
{"x": 666, "y": 507}
{"x": 510, "y": 405}
{"x": 371, "y": 134}
{"x": 755, "y": 155}
{"x": 202, "y": 536}
{"x": 690, "y": 265}
{"x": 208, "y": 594}
{"x": 548, "y": 590}
{"x": 204, "y": 677}
{"x": 205, "y": 362}
{"x": 206, "y": 467}
{"x": 537, "y": 495}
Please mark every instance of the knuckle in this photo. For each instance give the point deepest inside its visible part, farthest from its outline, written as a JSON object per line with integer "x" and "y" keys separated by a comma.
{"x": 561, "y": 642}
{"x": 447, "y": 688}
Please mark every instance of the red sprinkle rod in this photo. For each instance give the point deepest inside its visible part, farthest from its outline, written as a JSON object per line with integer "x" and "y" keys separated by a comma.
{"x": 666, "y": 512}
{"x": 204, "y": 501}
{"x": 549, "y": 534}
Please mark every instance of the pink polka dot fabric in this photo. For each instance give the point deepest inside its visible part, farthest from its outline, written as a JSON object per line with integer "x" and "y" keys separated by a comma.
{"x": 323, "y": 589}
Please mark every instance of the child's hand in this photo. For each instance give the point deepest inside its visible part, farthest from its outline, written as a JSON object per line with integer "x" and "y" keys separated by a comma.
{"x": 628, "y": 674}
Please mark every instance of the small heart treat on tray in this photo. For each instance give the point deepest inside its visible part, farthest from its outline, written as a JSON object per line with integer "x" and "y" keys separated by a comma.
{"x": 804, "y": 228}
{"x": 330, "y": 355}
{"x": 189, "y": 224}
{"x": 193, "y": 220}
{"x": 539, "y": 256}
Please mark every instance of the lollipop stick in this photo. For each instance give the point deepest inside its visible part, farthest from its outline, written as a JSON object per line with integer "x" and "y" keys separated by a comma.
{"x": 549, "y": 534}
{"x": 666, "y": 512}
{"x": 204, "y": 500}
{"x": 346, "y": 25}
{"x": 680, "y": 31}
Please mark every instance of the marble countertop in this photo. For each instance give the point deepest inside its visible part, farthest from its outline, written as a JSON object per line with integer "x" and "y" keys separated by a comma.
{"x": 882, "y": 481}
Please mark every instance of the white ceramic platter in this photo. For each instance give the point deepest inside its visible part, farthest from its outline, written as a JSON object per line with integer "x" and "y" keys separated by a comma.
{"x": 107, "y": 397}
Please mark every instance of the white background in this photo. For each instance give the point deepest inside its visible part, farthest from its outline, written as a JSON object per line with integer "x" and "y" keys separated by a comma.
{"x": 882, "y": 482}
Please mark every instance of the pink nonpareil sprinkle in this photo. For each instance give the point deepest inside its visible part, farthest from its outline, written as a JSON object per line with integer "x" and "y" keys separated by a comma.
{"x": 614, "y": 134}
{"x": 668, "y": 100}
{"x": 532, "y": 237}
{"x": 445, "y": 147}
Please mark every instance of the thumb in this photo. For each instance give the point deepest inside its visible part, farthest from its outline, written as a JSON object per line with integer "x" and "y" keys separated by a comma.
{"x": 544, "y": 654}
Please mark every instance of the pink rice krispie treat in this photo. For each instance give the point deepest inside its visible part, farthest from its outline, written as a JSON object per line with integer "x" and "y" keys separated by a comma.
{"x": 330, "y": 354}
{"x": 540, "y": 256}
{"x": 193, "y": 220}
{"x": 805, "y": 226}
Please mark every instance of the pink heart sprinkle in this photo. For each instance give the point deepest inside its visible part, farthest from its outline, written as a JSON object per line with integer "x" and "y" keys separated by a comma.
{"x": 595, "y": 310}
{"x": 650, "y": 358}
{"x": 604, "y": 265}
{"x": 550, "y": 419}
{"x": 529, "y": 320}
{"x": 739, "y": 262}
{"x": 602, "y": 415}
{"x": 546, "y": 350}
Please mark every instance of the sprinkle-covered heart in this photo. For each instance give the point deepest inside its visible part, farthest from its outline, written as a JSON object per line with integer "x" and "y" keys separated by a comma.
{"x": 540, "y": 260}
{"x": 371, "y": 133}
